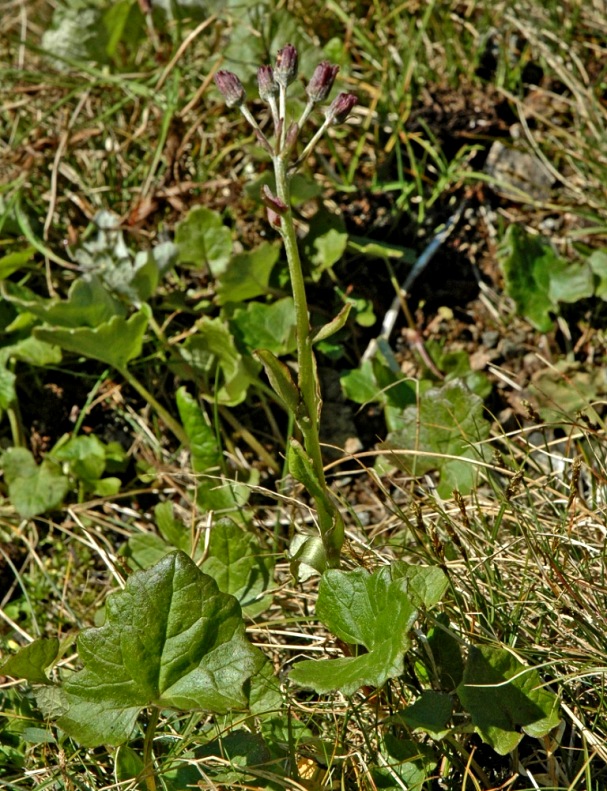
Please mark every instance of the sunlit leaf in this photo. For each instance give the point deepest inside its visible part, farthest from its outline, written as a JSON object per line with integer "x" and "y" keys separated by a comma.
{"x": 171, "y": 639}
{"x": 371, "y": 610}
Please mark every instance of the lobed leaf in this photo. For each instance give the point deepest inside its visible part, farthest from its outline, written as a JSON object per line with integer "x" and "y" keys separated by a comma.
{"x": 372, "y": 610}
{"x": 171, "y": 639}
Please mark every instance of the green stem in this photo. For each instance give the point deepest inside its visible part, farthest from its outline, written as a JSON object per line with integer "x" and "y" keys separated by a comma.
{"x": 330, "y": 522}
{"x": 148, "y": 753}
{"x": 162, "y": 413}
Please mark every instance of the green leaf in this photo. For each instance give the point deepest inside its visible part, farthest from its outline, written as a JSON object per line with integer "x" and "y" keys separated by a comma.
{"x": 13, "y": 262}
{"x": 128, "y": 765}
{"x": 333, "y": 326}
{"x": 88, "y": 303}
{"x": 361, "y": 245}
{"x": 32, "y": 351}
{"x": 426, "y": 585}
{"x": 247, "y": 274}
{"x": 302, "y": 469}
{"x": 448, "y": 422}
{"x": 145, "y": 549}
{"x": 239, "y": 566}
{"x": 430, "y": 713}
{"x": 272, "y": 327}
{"x": 281, "y": 380}
{"x": 32, "y": 489}
{"x": 537, "y": 278}
{"x": 203, "y": 240}
{"x": 7, "y": 388}
{"x": 597, "y": 262}
{"x": 85, "y": 455}
{"x": 325, "y": 242}
{"x": 204, "y": 449}
{"x": 172, "y": 530}
{"x": 359, "y": 384}
{"x": 408, "y": 761}
{"x": 212, "y": 355}
{"x": 502, "y": 696}
{"x": 447, "y": 663}
{"x": 372, "y": 610}
{"x": 115, "y": 342}
{"x": 171, "y": 639}
{"x": 308, "y": 556}
{"x": 32, "y": 661}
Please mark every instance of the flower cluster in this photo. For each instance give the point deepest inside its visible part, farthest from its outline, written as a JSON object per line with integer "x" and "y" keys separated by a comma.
{"x": 272, "y": 84}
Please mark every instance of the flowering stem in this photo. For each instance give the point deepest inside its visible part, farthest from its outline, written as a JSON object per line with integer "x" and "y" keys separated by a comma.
{"x": 330, "y": 522}
{"x": 303, "y": 400}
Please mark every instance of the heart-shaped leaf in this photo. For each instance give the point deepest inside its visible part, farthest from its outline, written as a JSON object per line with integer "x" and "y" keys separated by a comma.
{"x": 502, "y": 695}
{"x": 373, "y": 610}
{"x": 171, "y": 640}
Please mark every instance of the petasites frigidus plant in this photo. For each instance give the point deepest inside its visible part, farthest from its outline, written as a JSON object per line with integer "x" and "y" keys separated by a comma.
{"x": 301, "y": 398}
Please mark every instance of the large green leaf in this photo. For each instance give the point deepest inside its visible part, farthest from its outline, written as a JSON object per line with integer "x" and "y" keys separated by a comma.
{"x": 32, "y": 351}
{"x": 426, "y": 585}
{"x": 325, "y": 242}
{"x": 504, "y": 696}
{"x": 171, "y": 639}
{"x": 447, "y": 423}
{"x": 115, "y": 342}
{"x": 372, "y": 610}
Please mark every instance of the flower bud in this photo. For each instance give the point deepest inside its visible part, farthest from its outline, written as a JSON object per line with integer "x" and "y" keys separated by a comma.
{"x": 286, "y": 65}
{"x": 340, "y": 108}
{"x": 322, "y": 81}
{"x": 230, "y": 88}
{"x": 266, "y": 82}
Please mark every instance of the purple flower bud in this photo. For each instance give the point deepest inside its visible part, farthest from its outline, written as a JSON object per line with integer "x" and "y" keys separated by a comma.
{"x": 230, "y": 88}
{"x": 340, "y": 108}
{"x": 267, "y": 85}
{"x": 322, "y": 81}
{"x": 286, "y": 65}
